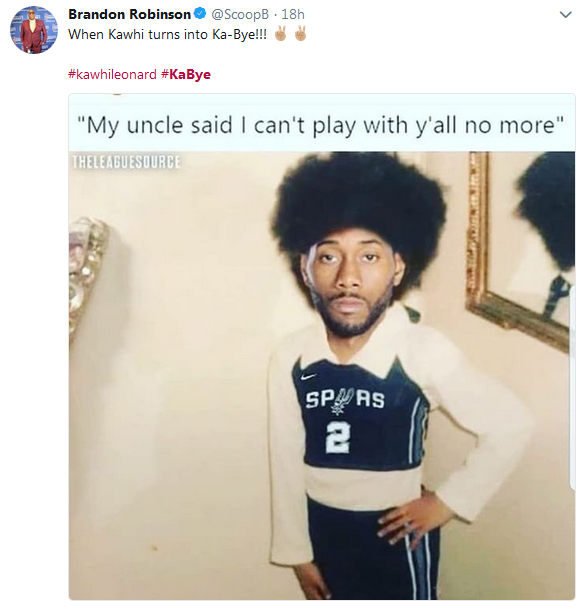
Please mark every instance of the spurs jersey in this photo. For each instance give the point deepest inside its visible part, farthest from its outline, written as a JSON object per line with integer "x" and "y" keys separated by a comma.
{"x": 354, "y": 419}
{"x": 351, "y": 436}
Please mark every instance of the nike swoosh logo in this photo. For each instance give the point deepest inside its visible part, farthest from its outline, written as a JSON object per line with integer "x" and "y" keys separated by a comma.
{"x": 305, "y": 377}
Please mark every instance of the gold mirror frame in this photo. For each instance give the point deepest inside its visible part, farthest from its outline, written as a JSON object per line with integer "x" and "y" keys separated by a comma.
{"x": 479, "y": 298}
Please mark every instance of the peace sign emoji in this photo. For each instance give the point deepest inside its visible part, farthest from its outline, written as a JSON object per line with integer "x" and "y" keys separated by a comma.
{"x": 300, "y": 35}
{"x": 280, "y": 35}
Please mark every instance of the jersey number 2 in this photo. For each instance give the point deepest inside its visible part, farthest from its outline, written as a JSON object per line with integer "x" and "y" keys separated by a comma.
{"x": 337, "y": 437}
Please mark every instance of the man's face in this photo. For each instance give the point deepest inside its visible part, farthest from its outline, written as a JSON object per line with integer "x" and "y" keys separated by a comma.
{"x": 351, "y": 275}
{"x": 31, "y": 15}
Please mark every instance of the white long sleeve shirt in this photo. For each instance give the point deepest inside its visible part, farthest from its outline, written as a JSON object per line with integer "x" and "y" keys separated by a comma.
{"x": 327, "y": 441}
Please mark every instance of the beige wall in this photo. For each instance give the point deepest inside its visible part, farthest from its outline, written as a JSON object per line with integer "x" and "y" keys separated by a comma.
{"x": 169, "y": 494}
{"x": 522, "y": 545}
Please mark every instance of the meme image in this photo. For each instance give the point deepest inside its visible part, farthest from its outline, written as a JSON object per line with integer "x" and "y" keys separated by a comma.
{"x": 320, "y": 374}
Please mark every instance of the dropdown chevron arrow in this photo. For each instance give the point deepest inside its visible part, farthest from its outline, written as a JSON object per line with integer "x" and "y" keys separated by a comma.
{"x": 565, "y": 16}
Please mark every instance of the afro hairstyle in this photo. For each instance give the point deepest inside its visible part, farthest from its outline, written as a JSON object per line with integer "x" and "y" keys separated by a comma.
{"x": 373, "y": 191}
{"x": 548, "y": 204}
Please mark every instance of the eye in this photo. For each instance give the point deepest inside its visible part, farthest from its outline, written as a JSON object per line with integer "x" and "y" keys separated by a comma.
{"x": 370, "y": 258}
{"x": 327, "y": 258}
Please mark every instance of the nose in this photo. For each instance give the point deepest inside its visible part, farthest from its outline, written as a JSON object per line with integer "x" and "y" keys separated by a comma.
{"x": 348, "y": 275}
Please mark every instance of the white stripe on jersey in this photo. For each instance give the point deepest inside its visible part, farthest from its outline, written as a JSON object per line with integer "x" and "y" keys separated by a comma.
{"x": 410, "y": 565}
{"x": 428, "y": 552}
{"x": 412, "y": 423}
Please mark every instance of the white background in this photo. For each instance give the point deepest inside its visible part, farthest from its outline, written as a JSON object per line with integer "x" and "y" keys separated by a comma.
{"x": 520, "y": 47}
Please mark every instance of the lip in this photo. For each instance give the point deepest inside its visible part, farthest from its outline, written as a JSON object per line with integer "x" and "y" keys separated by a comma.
{"x": 348, "y": 304}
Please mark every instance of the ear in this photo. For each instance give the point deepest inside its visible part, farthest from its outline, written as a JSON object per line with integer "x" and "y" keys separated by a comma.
{"x": 304, "y": 269}
{"x": 400, "y": 268}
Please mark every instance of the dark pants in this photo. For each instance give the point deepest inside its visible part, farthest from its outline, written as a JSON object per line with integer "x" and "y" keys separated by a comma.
{"x": 356, "y": 564}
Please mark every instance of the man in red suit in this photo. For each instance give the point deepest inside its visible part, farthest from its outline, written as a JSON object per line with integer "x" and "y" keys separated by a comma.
{"x": 30, "y": 34}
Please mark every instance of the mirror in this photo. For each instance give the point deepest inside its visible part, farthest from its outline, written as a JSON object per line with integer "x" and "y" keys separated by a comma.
{"x": 521, "y": 241}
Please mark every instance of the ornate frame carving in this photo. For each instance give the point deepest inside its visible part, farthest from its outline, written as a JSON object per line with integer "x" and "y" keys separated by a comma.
{"x": 479, "y": 298}
{"x": 88, "y": 238}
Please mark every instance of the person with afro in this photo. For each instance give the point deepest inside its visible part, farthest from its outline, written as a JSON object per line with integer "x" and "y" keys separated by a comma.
{"x": 349, "y": 397}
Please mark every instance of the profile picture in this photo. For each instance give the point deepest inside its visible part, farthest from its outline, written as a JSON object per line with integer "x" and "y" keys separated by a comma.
{"x": 33, "y": 30}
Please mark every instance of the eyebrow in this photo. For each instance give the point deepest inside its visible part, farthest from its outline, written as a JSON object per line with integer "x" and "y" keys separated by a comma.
{"x": 363, "y": 242}
{"x": 371, "y": 241}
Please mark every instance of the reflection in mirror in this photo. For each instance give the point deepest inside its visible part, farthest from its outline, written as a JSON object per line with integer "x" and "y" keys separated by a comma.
{"x": 548, "y": 205}
{"x": 521, "y": 241}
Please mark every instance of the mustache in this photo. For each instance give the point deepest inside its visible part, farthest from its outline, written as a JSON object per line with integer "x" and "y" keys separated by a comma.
{"x": 345, "y": 295}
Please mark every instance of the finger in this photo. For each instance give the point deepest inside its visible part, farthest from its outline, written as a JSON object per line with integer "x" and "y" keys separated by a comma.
{"x": 403, "y": 532}
{"x": 323, "y": 588}
{"x": 391, "y": 515}
{"x": 315, "y": 592}
{"x": 310, "y": 592}
{"x": 393, "y": 526}
{"x": 409, "y": 529}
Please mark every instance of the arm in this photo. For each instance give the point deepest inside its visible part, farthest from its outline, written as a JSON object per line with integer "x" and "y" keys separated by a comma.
{"x": 291, "y": 544}
{"x": 44, "y": 32}
{"x": 22, "y": 36}
{"x": 500, "y": 421}
{"x": 483, "y": 406}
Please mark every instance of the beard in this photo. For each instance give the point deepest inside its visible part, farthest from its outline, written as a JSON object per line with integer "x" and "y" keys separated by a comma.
{"x": 344, "y": 330}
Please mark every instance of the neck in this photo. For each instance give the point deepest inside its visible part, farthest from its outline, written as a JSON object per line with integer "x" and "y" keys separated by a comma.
{"x": 345, "y": 348}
